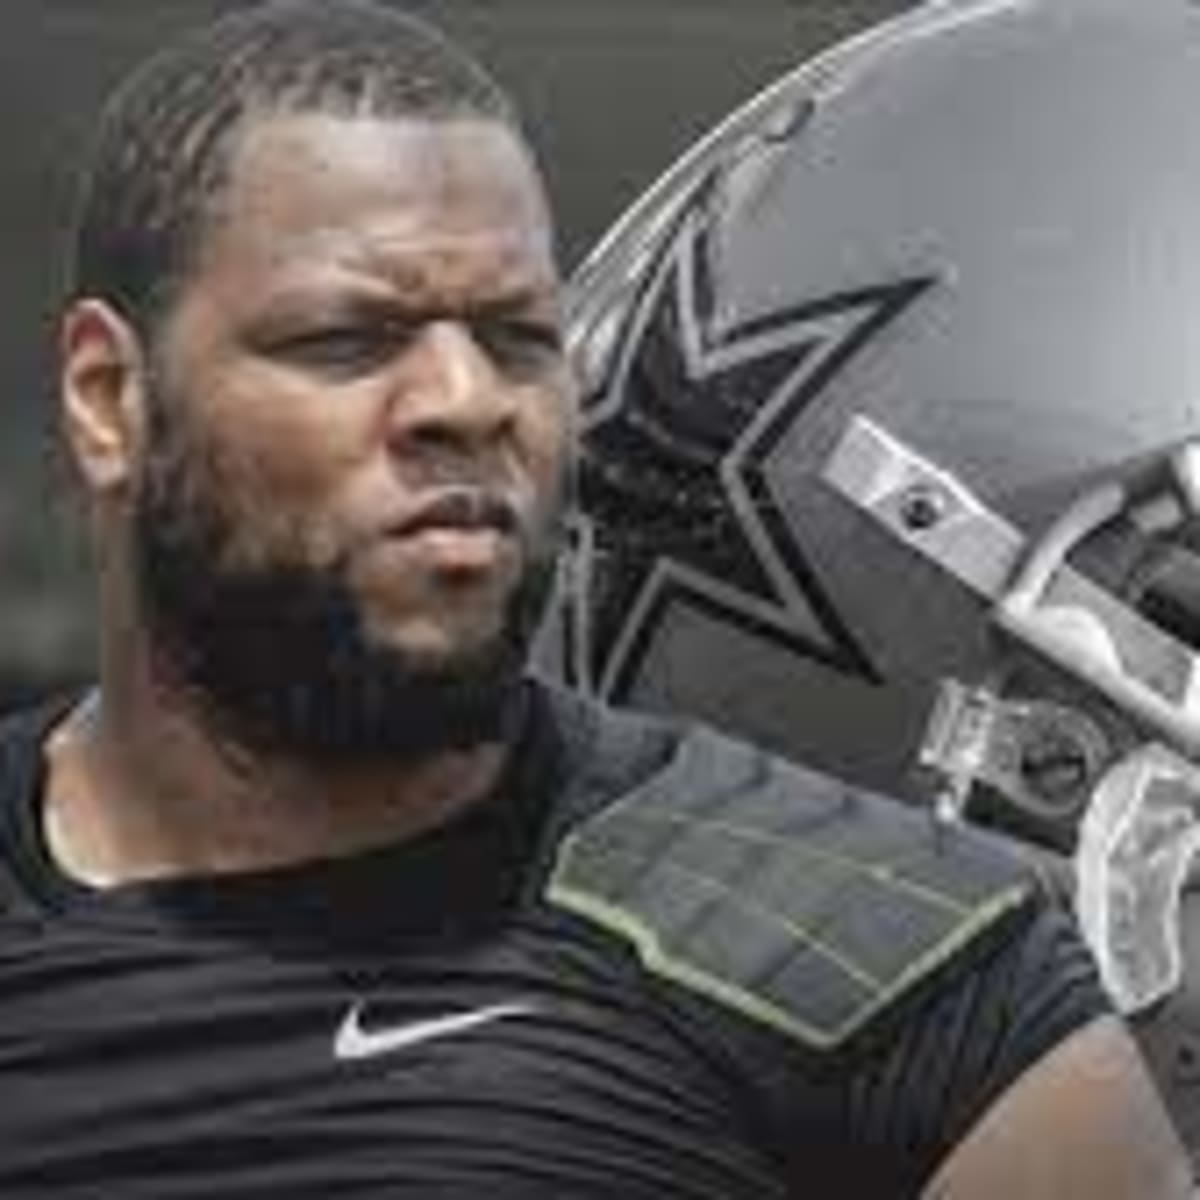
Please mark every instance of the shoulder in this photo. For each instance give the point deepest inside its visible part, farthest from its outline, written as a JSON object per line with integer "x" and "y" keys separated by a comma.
{"x": 804, "y": 904}
{"x": 22, "y": 736}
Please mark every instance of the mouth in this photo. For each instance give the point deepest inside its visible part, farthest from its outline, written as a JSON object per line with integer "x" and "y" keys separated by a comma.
{"x": 459, "y": 529}
{"x": 459, "y": 510}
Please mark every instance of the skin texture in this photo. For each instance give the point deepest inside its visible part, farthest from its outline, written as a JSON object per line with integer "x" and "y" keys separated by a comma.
{"x": 372, "y": 320}
{"x": 371, "y": 324}
{"x": 1085, "y": 1120}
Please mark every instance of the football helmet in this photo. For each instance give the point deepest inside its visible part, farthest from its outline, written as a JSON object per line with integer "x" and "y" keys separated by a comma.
{"x": 891, "y": 446}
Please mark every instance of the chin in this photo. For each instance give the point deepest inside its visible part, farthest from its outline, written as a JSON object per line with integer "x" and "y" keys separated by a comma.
{"x": 443, "y": 638}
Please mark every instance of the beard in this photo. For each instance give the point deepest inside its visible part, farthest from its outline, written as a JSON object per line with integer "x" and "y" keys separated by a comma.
{"x": 276, "y": 654}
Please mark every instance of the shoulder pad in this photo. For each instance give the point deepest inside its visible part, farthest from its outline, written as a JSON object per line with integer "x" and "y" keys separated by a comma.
{"x": 801, "y": 903}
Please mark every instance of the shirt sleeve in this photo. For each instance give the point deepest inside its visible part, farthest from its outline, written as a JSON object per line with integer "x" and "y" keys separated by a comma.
{"x": 952, "y": 1055}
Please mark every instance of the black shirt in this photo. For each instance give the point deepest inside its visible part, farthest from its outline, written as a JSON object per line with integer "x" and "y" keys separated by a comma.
{"x": 420, "y": 1021}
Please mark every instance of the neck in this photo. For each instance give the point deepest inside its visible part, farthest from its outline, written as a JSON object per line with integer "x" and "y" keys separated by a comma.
{"x": 142, "y": 787}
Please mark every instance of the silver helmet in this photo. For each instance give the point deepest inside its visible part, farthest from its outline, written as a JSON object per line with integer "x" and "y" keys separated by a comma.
{"x": 891, "y": 457}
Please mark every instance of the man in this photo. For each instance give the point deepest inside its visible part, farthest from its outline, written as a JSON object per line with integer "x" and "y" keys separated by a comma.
{"x": 315, "y": 894}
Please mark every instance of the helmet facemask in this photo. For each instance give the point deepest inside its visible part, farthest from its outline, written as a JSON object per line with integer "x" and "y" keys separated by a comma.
{"x": 1107, "y": 769}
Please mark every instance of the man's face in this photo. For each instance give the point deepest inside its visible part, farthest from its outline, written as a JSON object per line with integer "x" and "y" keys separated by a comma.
{"x": 361, "y": 425}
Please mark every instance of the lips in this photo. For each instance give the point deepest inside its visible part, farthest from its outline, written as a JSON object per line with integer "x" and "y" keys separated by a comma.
{"x": 459, "y": 509}
{"x": 458, "y": 532}
{"x": 449, "y": 535}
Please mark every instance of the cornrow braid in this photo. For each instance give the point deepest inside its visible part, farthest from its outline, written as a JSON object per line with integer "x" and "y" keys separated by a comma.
{"x": 163, "y": 146}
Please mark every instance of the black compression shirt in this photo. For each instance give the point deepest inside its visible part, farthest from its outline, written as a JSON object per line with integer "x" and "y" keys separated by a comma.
{"x": 420, "y": 1022}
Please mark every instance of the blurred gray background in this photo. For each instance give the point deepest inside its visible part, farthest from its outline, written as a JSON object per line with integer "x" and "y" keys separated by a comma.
{"x": 613, "y": 90}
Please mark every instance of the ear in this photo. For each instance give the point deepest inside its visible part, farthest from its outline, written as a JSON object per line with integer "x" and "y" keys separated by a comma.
{"x": 103, "y": 393}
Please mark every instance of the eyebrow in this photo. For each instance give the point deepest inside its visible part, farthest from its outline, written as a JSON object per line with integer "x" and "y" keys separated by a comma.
{"x": 518, "y": 303}
{"x": 360, "y": 304}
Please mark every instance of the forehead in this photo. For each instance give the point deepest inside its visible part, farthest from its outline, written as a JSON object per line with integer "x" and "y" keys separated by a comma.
{"x": 413, "y": 203}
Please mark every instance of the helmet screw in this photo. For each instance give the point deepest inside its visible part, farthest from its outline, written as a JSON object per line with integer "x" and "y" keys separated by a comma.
{"x": 921, "y": 507}
{"x": 1056, "y": 768}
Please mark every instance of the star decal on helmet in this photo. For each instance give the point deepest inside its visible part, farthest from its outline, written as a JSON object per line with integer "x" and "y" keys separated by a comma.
{"x": 677, "y": 504}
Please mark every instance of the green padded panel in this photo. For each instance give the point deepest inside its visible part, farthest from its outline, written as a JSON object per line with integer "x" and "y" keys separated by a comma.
{"x": 781, "y": 893}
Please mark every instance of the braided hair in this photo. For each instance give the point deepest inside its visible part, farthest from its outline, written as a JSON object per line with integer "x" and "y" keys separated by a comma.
{"x": 163, "y": 147}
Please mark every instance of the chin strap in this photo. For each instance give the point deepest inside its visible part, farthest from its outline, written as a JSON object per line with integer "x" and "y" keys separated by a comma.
{"x": 1041, "y": 756}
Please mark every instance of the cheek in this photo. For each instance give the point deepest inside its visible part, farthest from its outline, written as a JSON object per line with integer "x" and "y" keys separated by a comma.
{"x": 549, "y": 438}
{"x": 279, "y": 468}
{"x": 296, "y": 443}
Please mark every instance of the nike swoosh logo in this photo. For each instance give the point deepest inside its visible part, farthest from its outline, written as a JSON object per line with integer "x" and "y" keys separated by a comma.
{"x": 354, "y": 1042}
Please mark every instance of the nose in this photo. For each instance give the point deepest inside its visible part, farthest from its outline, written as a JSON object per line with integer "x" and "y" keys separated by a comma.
{"x": 452, "y": 397}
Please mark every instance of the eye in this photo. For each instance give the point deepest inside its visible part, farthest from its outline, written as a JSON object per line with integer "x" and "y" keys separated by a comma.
{"x": 522, "y": 346}
{"x": 340, "y": 350}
